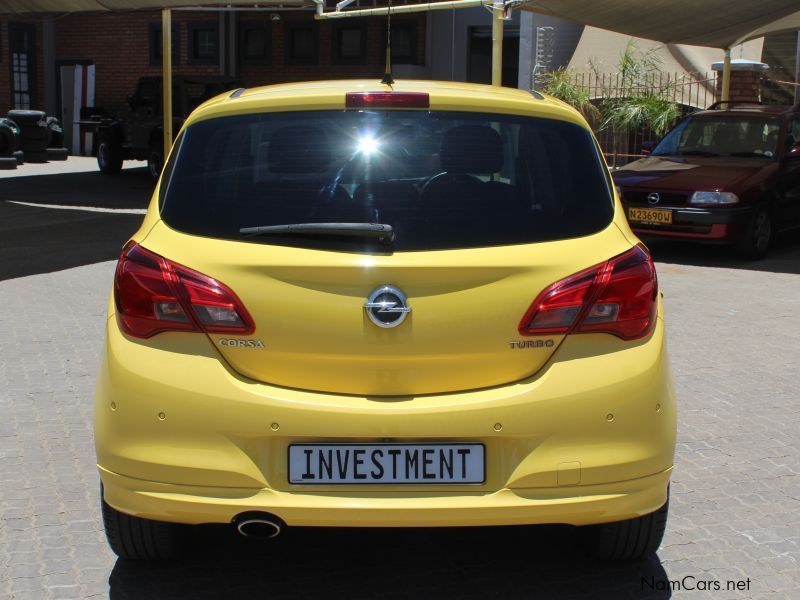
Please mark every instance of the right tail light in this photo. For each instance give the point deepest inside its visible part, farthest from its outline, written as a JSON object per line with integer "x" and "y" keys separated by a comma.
{"x": 618, "y": 297}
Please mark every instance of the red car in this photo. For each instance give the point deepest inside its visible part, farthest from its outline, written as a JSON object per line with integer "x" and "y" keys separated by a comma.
{"x": 729, "y": 175}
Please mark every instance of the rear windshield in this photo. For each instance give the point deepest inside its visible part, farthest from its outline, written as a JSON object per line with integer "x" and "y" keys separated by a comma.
{"x": 442, "y": 180}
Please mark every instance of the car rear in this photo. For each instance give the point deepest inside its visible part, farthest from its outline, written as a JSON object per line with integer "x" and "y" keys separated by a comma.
{"x": 355, "y": 306}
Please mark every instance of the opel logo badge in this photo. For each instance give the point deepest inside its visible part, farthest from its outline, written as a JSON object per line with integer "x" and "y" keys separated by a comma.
{"x": 387, "y": 307}
{"x": 653, "y": 198}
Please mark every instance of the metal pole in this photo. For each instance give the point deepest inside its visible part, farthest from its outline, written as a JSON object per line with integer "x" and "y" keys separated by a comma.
{"x": 166, "y": 80}
{"x": 726, "y": 76}
{"x": 497, "y": 42}
{"x": 403, "y": 8}
{"x": 797, "y": 71}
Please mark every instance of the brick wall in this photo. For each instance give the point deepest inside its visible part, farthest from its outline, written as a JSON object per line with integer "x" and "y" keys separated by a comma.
{"x": 746, "y": 86}
{"x": 118, "y": 45}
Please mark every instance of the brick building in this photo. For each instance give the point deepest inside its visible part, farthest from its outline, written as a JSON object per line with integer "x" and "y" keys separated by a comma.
{"x": 256, "y": 47}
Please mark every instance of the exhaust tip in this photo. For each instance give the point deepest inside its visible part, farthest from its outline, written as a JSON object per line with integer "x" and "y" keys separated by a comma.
{"x": 258, "y": 525}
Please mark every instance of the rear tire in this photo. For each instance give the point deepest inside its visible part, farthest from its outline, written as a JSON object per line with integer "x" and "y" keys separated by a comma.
{"x": 57, "y": 153}
{"x": 36, "y": 156}
{"x": 29, "y": 145}
{"x": 34, "y": 132}
{"x": 26, "y": 117}
{"x": 134, "y": 538}
{"x": 20, "y": 156}
{"x": 108, "y": 157}
{"x": 627, "y": 540}
{"x": 8, "y": 163}
{"x": 757, "y": 237}
{"x": 8, "y": 141}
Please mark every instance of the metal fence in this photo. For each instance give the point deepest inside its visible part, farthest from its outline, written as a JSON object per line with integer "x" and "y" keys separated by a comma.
{"x": 689, "y": 91}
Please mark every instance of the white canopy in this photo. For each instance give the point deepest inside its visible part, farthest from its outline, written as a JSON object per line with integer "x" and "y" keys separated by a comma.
{"x": 714, "y": 23}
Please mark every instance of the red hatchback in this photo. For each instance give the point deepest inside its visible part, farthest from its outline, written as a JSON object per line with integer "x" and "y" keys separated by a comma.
{"x": 728, "y": 175}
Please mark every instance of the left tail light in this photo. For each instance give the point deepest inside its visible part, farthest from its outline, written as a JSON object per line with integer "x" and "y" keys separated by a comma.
{"x": 153, "y": 294}
{"x": 619, "y": 296}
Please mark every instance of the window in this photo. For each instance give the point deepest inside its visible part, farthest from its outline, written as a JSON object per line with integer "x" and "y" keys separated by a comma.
{"x": 255, "y": 43}
{"x": 442, "y": 180}
{"x": 349, "y": 43}
{"x": 155, "y": 43}
{"x": 204, "y": 43}
{"x": 22, "y": 40}
{"x": 404, "y": 41}
{"x": 301, "y": 44}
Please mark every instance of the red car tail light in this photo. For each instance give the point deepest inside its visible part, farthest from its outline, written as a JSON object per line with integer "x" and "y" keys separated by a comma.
{"x": 387, "y": 100}
{"x": 153, "y": 294}
{"x": 617, "y": 297}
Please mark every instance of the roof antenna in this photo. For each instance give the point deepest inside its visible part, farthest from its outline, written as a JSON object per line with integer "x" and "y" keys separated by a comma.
{"x": 387, "y": 76}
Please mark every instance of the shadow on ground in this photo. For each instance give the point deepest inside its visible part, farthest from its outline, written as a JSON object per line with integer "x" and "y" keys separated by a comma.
{"x": 486, "y": 562}
{"x": 42, "y": 240}
{"x": 132, "y": 188}
{"x": 784, "y": 256}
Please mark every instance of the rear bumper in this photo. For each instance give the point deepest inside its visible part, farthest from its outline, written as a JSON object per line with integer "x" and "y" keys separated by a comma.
{"x": 575, "y": 505}
{"x": 712, "y": 224}
{"x": 182, "y": 438}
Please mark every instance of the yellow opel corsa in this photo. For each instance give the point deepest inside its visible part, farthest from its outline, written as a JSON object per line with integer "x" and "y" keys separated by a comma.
{"x": 358, "y": 305}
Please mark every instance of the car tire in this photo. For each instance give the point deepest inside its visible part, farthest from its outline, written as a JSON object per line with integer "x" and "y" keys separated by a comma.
{"x": 155, "y": 162}
{"x": 34, "y": 132}
{"x": 26, "y": 117}
{"x": 134, "y": 538}
{"x": 627, "y": 540}
{"x": 7, "y": 163}
{"x": 33, "y": 145}
{"x": 57, "y": 153}
{"x": 36, "y": 156}
{"x": 108, "y": 157}
{"x": 757, "y": 237}
{"x": 8, "y": 141}
{"x": 20, "y": 156}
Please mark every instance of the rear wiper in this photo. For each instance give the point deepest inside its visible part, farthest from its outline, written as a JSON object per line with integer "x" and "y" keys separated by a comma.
{"x": 380, "y": 231}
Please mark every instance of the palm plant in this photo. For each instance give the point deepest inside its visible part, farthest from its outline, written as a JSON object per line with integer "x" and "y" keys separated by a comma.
{"x": 561, "y": 84}
{"x": 641, "y": 100}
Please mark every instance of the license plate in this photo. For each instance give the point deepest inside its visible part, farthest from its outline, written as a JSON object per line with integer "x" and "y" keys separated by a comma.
{"x": 650, "y": 215}
{"x": 386, "y": 464}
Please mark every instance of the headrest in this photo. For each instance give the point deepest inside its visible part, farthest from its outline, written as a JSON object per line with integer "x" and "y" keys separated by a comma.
{"x": 472, "y": 149}
{"x": 298, "y": 149}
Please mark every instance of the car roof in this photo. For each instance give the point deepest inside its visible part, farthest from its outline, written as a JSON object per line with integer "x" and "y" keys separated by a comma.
{"x": 444, "y": 95}
{"x": 743, "y": 109}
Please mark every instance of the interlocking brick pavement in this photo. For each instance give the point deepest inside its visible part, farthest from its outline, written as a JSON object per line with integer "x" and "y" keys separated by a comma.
{"x": 734, "y": 340}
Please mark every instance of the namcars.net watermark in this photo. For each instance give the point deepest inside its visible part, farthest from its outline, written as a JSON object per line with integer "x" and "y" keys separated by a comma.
{"x": 689, "y": 583}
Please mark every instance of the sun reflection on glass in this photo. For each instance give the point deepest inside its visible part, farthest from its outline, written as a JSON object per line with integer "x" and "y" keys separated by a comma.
{"x": 367, "y": 144}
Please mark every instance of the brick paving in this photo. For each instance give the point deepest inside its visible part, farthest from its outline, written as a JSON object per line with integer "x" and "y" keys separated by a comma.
{"x": 735, "y": 346}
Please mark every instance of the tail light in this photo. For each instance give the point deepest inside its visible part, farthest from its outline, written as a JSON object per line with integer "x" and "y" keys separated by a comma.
{"x": 617, "y": 297}
{"x": 153, "y": 294}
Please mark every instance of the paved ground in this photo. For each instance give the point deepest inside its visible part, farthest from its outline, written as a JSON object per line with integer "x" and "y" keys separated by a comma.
{"x": 735, "y": 346}
{"x": 36, "y": 239}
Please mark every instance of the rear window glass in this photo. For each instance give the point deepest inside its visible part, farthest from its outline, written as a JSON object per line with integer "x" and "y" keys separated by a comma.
{"x": 442, "y": 180}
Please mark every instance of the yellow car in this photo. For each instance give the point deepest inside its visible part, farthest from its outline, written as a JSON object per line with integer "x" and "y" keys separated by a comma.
{"x": 358, "y": 305}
